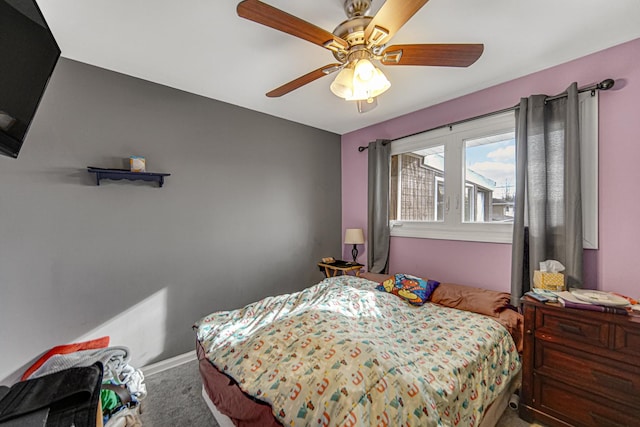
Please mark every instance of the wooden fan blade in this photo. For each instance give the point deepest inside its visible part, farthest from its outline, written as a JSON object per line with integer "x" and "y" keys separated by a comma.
{"x": 301, "y": 81}
{"x": 443, "y": 55}
{"x": 390, "y": 18}
{"x": 264, "y": 14}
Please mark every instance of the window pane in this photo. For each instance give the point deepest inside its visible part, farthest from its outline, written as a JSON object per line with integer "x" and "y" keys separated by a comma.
{"x": 417, "y": 185}
{"x": 490, "y": 178}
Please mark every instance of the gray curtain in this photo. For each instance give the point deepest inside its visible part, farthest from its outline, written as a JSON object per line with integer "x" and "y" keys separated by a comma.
{"x": 378, "y": 206}
{"x": 548, "y": 185}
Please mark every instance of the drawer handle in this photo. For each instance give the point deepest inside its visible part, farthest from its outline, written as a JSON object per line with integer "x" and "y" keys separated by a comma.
{"x": 570, "y": 328}
{"x": 604, "y": 377}
{"x": 604, "y": 421}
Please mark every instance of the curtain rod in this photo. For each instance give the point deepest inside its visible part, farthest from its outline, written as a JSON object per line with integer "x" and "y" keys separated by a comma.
{"x": 603, "y": 85}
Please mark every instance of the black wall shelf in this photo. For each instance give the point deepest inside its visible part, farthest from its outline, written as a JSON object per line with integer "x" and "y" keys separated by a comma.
{"x": 118, "y": 174}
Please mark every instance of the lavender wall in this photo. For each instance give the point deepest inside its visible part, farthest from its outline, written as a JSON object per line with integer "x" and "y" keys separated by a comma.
{"x": 613, "y": 267}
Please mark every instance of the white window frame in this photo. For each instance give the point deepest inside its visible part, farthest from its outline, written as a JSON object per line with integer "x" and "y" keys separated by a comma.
{"x": 436, "y": 182}
{"x": 480, "y": 207}
{"x": 453, "y": 227}
{"x": 472, "y": 201}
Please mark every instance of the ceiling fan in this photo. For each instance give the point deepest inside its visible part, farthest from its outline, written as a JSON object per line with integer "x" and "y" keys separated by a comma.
{"x": 356, "y": 43}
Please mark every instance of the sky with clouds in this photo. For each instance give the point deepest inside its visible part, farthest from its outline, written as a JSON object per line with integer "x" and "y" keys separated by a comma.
{"x": 496, "y": 161}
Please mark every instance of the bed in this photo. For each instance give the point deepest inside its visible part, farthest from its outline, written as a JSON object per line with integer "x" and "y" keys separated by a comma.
{"x": 342, "y": 353}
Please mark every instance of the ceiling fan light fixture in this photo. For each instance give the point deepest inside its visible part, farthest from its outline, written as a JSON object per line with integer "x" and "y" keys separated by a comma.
{"x": 364, "y": 70}
{"x": 360, "y": 81}
{"x": 380, "y": 83}
{"x": 342, "y": 85}
{"x": 369, "y": 89}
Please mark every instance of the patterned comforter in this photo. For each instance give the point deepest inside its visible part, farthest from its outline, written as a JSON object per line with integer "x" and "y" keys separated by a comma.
{"x": 344, "y": 354}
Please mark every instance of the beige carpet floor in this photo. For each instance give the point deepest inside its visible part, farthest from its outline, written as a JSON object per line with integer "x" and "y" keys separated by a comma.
{"x": 174, "y": 399}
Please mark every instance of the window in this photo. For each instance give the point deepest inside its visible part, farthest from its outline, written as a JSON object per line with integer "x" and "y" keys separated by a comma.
{"x": 458, "y": 182}
{"x": 450, "y": 183}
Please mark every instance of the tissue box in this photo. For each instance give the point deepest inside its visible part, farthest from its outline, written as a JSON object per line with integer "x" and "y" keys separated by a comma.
{"x": 548, "y": 281}
{"x": 136, "y": 164}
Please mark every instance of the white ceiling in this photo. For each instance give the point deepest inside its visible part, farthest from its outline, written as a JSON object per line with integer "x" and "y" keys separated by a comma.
{"x": 203, "y": 47}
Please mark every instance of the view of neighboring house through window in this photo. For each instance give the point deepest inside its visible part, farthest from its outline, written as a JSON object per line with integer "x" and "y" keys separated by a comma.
{"x": 417, "y": 185}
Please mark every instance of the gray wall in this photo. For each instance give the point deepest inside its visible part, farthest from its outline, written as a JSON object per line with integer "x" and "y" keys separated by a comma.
{"x": 251, "y": 205}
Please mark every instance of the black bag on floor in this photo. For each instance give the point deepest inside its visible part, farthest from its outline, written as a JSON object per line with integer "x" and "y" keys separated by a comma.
{"x": 65, "y": 398}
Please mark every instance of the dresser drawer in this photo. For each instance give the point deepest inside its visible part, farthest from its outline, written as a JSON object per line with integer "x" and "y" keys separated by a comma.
{"x": 609, "y": 379}
{"x": 627, "y": 341}
{"x": 579, "y": 407}
{"x": 560, "y": 327}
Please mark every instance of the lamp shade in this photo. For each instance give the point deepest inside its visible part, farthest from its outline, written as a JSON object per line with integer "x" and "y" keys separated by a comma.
{"x": 364, "y": 70}
{"x": 354, "y": 236}
{"x": 342, "y": 86}
{"x": 360, "y": 81}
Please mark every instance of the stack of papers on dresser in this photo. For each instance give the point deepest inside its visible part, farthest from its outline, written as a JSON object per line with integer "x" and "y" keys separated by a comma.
{"x": 593, "y": 301}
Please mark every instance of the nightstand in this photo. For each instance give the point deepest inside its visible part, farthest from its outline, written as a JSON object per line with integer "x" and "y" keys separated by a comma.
{"x": 332, "y": 269}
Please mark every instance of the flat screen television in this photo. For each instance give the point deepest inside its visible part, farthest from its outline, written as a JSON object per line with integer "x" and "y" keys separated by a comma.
{"x": 28, "y": 55}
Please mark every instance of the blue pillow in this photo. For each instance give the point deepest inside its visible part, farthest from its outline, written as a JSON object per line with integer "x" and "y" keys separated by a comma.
{"x": 413, "y": 289}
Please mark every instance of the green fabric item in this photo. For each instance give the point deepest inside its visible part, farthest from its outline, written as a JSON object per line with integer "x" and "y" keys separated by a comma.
{"x": 109, "y": 400}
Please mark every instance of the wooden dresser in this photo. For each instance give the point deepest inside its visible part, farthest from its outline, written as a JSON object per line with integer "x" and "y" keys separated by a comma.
{"x": 580, "y": 368}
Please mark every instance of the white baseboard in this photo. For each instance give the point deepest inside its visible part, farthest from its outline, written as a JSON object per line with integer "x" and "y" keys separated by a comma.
{"x": 172, "y": 362}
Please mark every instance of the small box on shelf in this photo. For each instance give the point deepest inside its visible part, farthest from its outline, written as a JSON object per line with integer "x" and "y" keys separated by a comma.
{"x": 137, "y": 164}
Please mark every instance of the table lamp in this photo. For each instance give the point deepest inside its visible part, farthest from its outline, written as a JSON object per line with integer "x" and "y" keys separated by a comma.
{"x": 354, "y": 236}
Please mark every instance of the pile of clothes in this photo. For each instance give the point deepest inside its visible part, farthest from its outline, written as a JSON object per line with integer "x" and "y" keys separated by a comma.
{"x": 122, "y": 387}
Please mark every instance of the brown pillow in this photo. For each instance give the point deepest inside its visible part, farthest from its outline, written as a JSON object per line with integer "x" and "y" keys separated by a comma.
{"x": 478, "y": 300}
{"x": 514, "y": 322}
